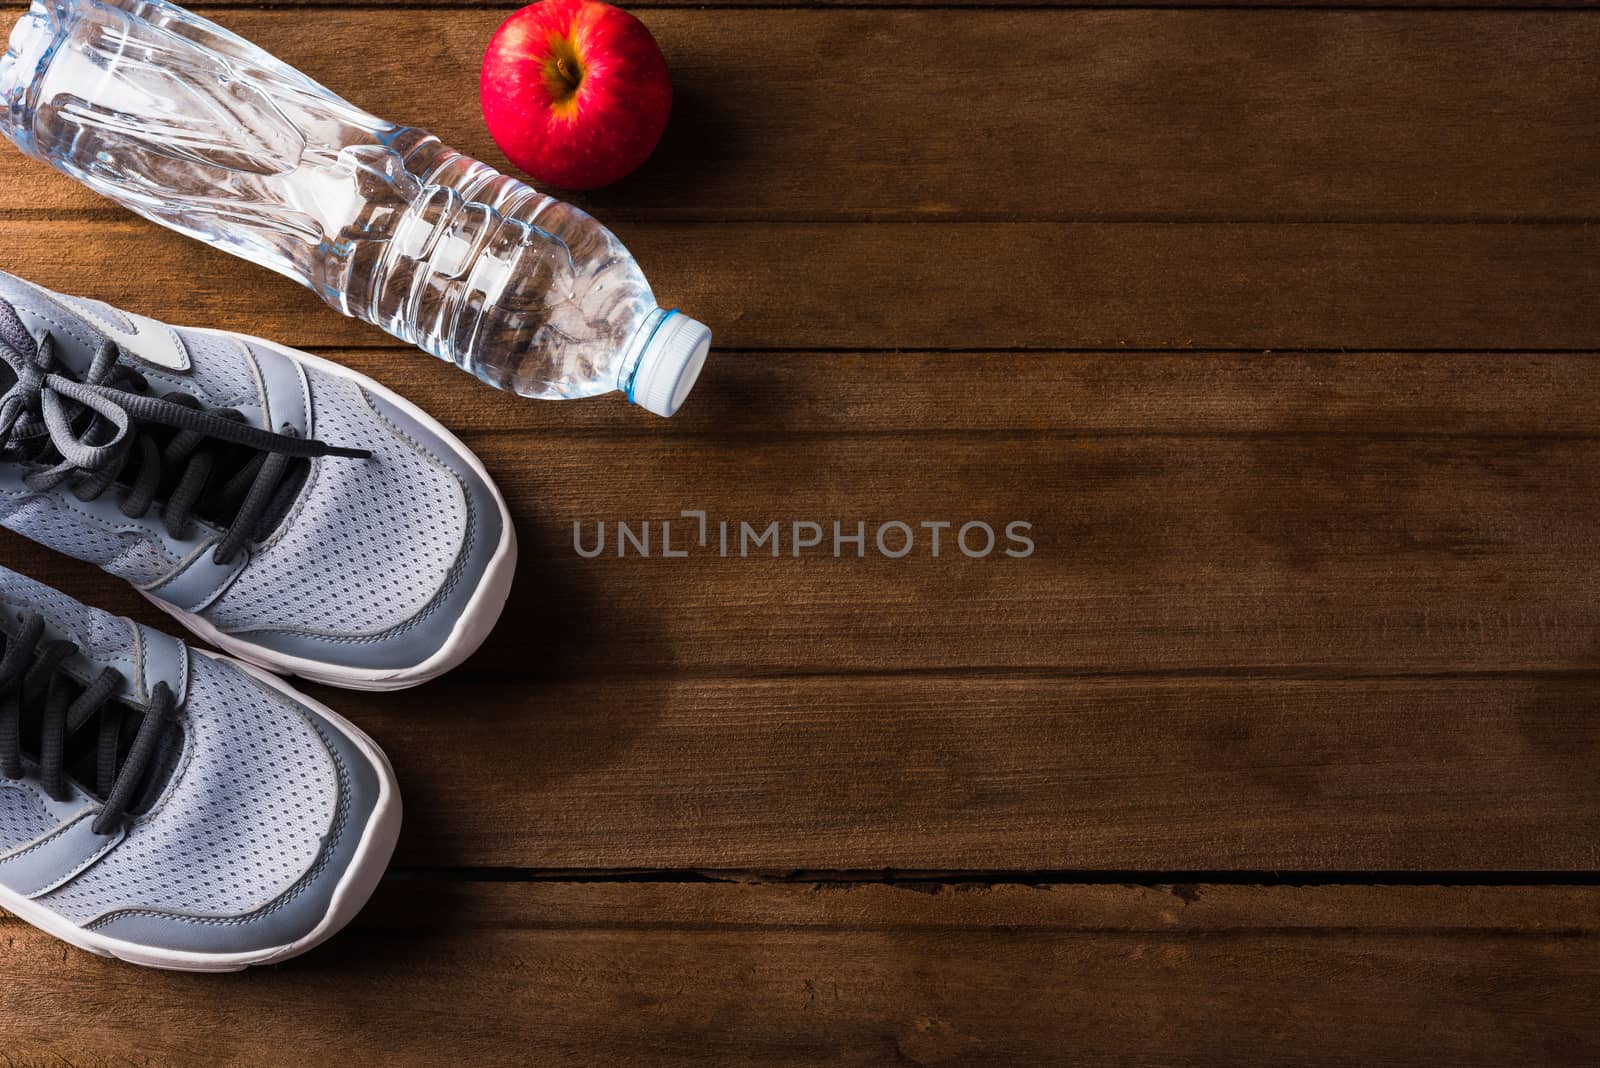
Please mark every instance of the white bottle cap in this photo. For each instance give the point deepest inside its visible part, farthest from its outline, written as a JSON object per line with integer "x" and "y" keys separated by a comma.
{"x": 670, "y": 363}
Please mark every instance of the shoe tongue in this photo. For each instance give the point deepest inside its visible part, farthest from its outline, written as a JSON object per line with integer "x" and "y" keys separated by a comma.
{"x": 18, "y": 354}
{"x": 83, "y": 759}
{"x": 15, "y": 346}
{"x": 74, "y": 339}
{"x": 28, "y": 313}
{"x": 15, "y": 336}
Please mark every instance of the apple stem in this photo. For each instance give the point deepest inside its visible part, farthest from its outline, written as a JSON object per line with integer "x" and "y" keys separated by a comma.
{"x": 565, "y": 70}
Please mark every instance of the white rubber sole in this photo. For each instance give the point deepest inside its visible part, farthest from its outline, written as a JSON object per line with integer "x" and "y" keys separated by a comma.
{"x": 366, "y": 869}
{"x": 477, "y": 620}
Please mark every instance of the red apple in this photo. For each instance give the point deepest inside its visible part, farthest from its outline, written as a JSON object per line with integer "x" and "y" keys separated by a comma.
{"x": 575, "y": 92}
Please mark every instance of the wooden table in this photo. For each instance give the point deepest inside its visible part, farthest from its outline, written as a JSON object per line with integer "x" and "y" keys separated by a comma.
{"x": 1278, "y": 326}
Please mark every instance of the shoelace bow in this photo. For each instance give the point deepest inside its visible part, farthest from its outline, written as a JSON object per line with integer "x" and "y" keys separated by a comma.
{"x": 97, "y": 456}
{"x": 34, "y": 684}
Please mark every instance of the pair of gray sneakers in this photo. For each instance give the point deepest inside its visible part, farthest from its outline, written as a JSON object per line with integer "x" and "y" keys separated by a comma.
{"x": 171, "y": 806}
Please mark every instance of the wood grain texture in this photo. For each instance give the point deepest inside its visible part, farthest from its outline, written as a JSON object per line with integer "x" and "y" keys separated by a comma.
{"x": 1320, "y": 611}
{"x": 997, "y": 773}
{"x": 1318, "y": 534}
{"x": 964, "y": 286}
{"x": 696, "y": 974}
{"x": 1233, "y": 552}
{"x": 1335, "y": 556}
{"x": 1344, "y": 555}
{"x": 1019, "y": 115}
{"x": 754, "y": 394}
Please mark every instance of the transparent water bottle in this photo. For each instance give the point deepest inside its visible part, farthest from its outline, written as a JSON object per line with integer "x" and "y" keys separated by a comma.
{"x": 198, "y": 129}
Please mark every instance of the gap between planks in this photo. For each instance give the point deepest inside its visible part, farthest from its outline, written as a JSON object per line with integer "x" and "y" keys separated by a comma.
{"x": 1182, "y": 883}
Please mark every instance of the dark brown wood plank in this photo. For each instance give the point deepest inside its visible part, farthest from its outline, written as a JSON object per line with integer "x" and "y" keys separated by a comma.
{"x": 691, "y": 974}
{"x": 1215, "y": 394}
{"x": 1314, "y": 520}
{"x": 1276, "y": 553}
{"x": 964, "y": 286}
{"x": 1343, "y": 554}
{"x": 934, "y": 774}
{"x": 1059, "y": 116}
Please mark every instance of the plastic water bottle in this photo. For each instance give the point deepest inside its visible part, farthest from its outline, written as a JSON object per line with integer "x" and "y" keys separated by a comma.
{"x": 198, "y": 129}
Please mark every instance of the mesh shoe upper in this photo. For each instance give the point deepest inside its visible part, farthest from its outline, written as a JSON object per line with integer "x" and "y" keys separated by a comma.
{"x": 23, "y": 817}
{"x": 366, "y": 563}
{"x": 369, "y": 546}
{"x": 135, "y": 555}
{"x": 255, "y": 802}
{"x": 242, "y": 821}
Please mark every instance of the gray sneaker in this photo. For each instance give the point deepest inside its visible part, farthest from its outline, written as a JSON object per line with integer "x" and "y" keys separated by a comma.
{"x": 289, "y": 511}
{"x": 170, "y": 807}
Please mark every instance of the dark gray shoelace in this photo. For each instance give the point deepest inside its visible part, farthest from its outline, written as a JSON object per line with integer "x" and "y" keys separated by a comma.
{"x": 101, "y": 427}
{"x": 40, "y": 699}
